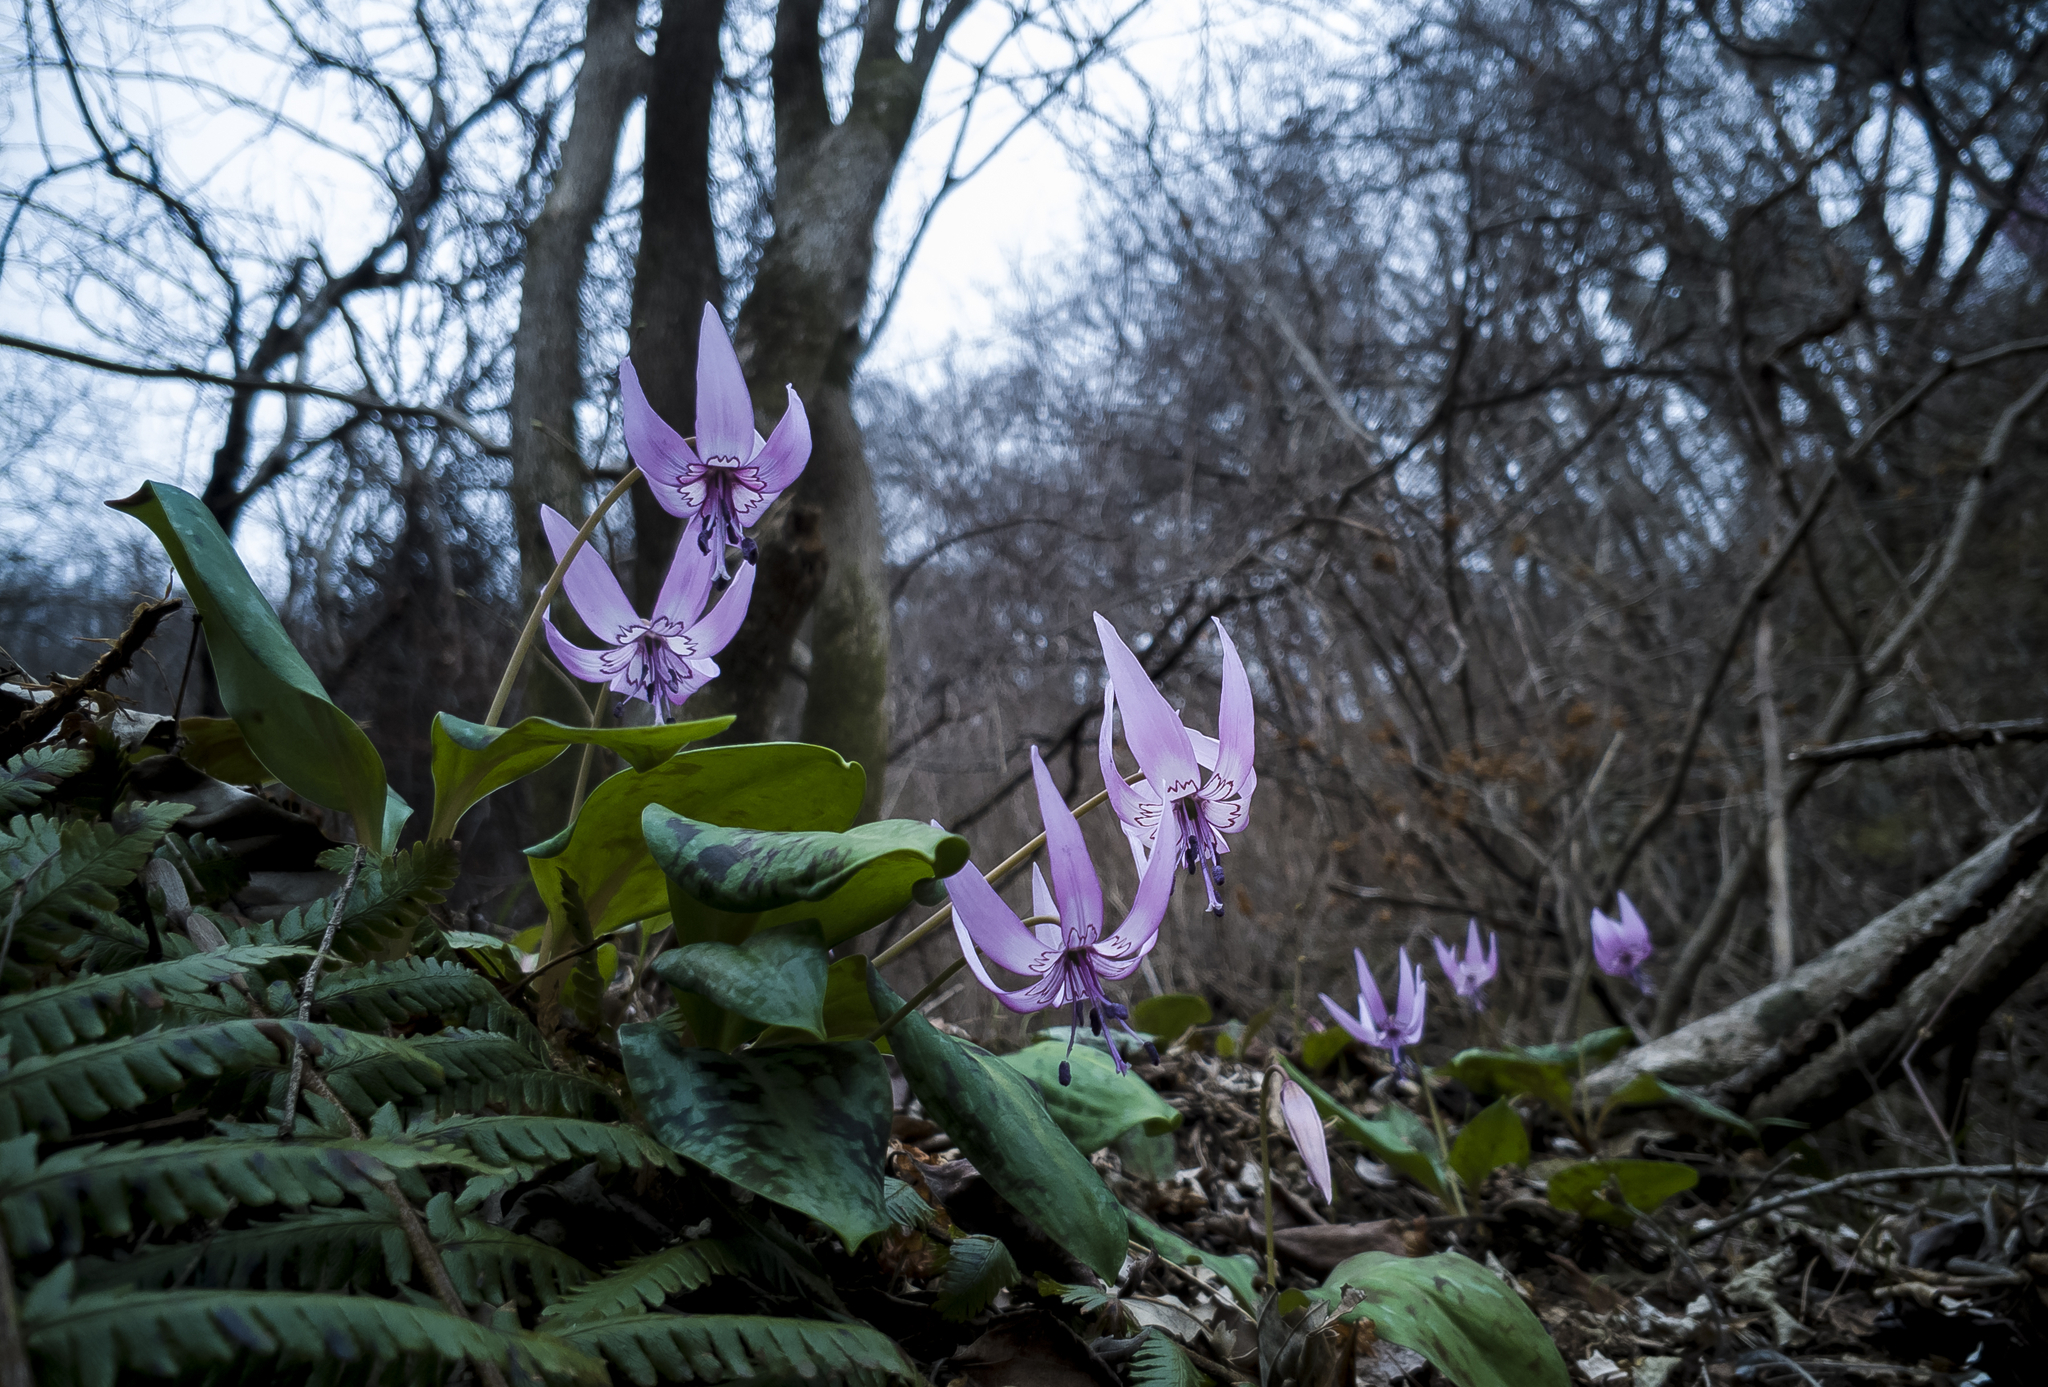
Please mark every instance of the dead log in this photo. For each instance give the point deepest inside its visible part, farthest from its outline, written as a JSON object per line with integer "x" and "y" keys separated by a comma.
{"x": 1759, "y": 1045}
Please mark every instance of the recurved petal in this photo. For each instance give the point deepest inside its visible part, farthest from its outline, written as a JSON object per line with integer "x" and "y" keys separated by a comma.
{"x": 1123, "y": 800}
{"x": 1375, "y": 1007}
{"x": 1148, "y": 910}
{"x": 782, "y": 458}
{"x": 590, "y": 584}
{"x": 1358, "y": 1028}
{"x": 655, "y": 448}
{"x": 725, "y": 411}
{"x": 688, "y": 583}
{"x": 994, "y": 926}
{"x": 1306, "y": 1127}
{"x": 1635, "y": 934}
{"x": 1074, "y": 884}
{"x": 1236, "y": 728}
{"x": 1446, "y": 959}
{"x": 722, "y": 623}
{"x": 1036, "y": 995}
{"x": 1151, "y": 727}
{"x": 586, "y": 665}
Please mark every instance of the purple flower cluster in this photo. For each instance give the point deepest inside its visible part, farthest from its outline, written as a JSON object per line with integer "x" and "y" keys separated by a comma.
{"x": 726, "y": 482}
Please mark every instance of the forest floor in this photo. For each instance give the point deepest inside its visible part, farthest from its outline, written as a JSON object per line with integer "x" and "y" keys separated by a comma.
{"x": 1856, "y": 1287}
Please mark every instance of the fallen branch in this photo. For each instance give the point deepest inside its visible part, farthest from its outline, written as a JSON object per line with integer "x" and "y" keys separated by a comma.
{"x": 41, "y": 720}
{"x": 1971, "y": 734}
{"x": 1875, "y": 1177}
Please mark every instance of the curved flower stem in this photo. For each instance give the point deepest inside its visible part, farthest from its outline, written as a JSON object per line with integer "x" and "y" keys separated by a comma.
{"x": 1443, "y": 1141}
{"x": 1266, "y": 1172}
{"x": 597, "y": 712}
{"x": 915, "y": 1002}
{"x": 995, "y": 876}
{"x": 547, "y": 595}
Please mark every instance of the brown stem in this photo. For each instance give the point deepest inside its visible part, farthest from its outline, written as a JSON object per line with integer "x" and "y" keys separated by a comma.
{"x": 38, "y": 722}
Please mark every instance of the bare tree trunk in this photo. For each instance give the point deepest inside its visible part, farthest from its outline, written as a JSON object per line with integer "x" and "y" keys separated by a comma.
{"x": 1777, "y": 859}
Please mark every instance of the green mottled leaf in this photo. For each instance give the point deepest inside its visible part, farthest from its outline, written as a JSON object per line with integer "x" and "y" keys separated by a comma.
{"x": 1645, "y": 1089}
{"x": 1641, "y": 1186}
{"x": 1496, "y": 1137}
{"x": 803, "y": 1125}
{"x": 780, "y": 785}
{"x": 1510, "y": 1074}
{"x": 847, "y": 881}
{"x": 1233, "y": 1269}
{"x": 472, "y": 760}
{"x": 1318, "y": 1048}
{"x": 1396, "y": 1138}
{"x": 1589, "y": 1051}
{"x": 1169, "y": 1015}
{"x": 1461, "y": 1317}
{"x": 1100, "y": 1104}
{"x": 849, "y": 1012}
{"x": 1145, "y": 1155}
{"x": 995, "y": 1115}
{"x": 777, "y": 977}
{"x": 286, "y": 717}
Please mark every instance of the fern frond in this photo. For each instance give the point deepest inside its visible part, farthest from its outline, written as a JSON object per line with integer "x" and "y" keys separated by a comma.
{"x": 209, "y": 867}
{"x": 976, "y": 1268}
{"x": 477, "y": 1057}
{"x": 45, "y": 1092}
{"x": 328, "y": 1250}
{"x": 536, "y": 1092}
{"x": 1159, "y": 1362}
{"x": 367, "y": 1071}
{"x": 391, "y": 897}
{"x": 735, "y": 1348}
{"x": 62, "y": 869}
{"x": 645, "y": 1282}
{"x": 371, "y": 996}
{"x": 525, "y": 1146}
{"x": 57, "y": 1018}
{"x": 44, "y": 1205}
{"x": 905, "y": 1206}
{"x": 482, "y": 1259}
{"x": 101, "y": 1338}
{"x": 34, "y": 773}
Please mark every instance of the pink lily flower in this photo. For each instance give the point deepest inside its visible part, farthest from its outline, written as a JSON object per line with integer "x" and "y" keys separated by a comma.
{"x": 1470, "y": 974}
{"x": 1621, "y": 947}
{"x": 1069, "y": 960}
{"x": 1194, "y": 810}
{"x": 1306, "y": 1128}
{"x": 663, "y": 658}
{"x": 1372, "y": 1025}
{"x": 731, "y": 476}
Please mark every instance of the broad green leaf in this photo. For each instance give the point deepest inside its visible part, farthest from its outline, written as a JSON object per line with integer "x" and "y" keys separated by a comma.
{"x": 216, "y": 746}
{"x": 1646, "y": 1089}
{"x": 995, "y": 1115}
{"x": 1169, "y": 1015}
{"x": 849, "y": 1012}
{"x": 289, "y": 723}
{"x": 1512, "y": 1073}
{"x": 1641, "y": 1186}
{"x": 1496, "y": 1137}
{"x": 1461, "y": 1317}
{"x": 1100, "y": 1104}
{"x": 1145, "y": 1155}
{"x": 1589, "y": 1051}
{"x": 803, "y": 1125}
{"x": 1396, "y": 1138}
{"x": 776, "y": 977}
{"x": 1318, "y": 1048}
{"x": 782, "y": 785}
{"x": 471, "y": 760}
{"x": 1234, "y": 1270}
{"x": 848, "y": 882}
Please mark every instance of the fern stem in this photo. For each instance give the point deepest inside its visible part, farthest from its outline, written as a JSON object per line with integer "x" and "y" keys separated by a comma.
{"x": 298, "y": 1075}
{"x": 14, "y": 1369}
{"x": 547, "y": 595}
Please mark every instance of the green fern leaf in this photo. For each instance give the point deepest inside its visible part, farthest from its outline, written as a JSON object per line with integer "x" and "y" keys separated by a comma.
{"x": 735, "y": 1348}
{"x": 374, "y": 995}
{"x": 390, "y": 899}
{"x": 525, "y": 1146}
{"x": 535, "y": 1092}
{"x": 976, "y": 1268}
{"x": 46, "y": 1092}
{"x": 57, "y": 1018}
{"x": 327, "y": 1250}
{"x": 646, "y": 1282}
{"x": 212, "y": 873}
{"x": 44, "y": 1205}
{"x": 905, "y": 1206}
{"x": 101, "y": 1338}
{"x": 28, "y": 777}
{"x": 476, "y": 1057}
{"x": 368, "y": 1071}
{"x": 1159, "y": 1362}
{"x": 62, "y": 870}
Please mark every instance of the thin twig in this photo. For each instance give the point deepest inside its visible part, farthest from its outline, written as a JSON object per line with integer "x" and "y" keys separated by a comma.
{"x": 1969, "y": 735}
{"x": 312, "y": 979}
{"x": 1876, "y": 1177}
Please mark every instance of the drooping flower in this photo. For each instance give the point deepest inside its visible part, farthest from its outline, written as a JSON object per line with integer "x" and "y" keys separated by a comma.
{"x": 1306, "y": 1128}
{"x": 1470, "y": 974}
{"x": 1371, "y": 1024}
{"x": 663, "y": 658}
{"x": 1192, "y": 809}
{"x": 731, "y": 476}
{"x": 1621, "y": 947}
{"x": 1070, "y": 961}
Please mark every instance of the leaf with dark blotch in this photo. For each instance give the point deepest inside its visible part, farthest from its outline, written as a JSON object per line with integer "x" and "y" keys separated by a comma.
{"x": 1001, "y": 1125}
{"x": 472, "y": 760}
{"x": 804, "y": 1125}
{"x": 1461, "y": 1317}
{"x": 776, "y": 977}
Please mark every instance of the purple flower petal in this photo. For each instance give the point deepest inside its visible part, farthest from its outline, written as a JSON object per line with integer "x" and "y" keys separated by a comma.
{"x": 1447, "y": 959}
{"x": 1306, "y": 1127}
{"x": 1360, "y": 1030}
{"x": 1041, "y": 898}
{"x": 980, "y": 912}
{"x": 1036, "y": 995}
{"x": 1236, "y": 728}
{"x": 656, "y": 449}
{"x": 587, "y": 665}
{"x": 1124, "y": 801}
{"x": 783, "y": 456}
{"x": 688, "y": 583}
{"x": 725, "y": 411}
{"x": 1151, "y": 727}
{"x": 1375, "y": 1007}
{"x": 590, "y": 585}
{"x": 722, "y": 623}
{"x": 1134, "y": 937}
{"x": 1074, "y": 884}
